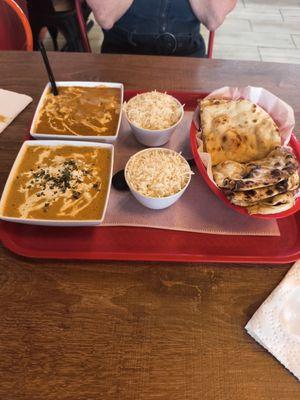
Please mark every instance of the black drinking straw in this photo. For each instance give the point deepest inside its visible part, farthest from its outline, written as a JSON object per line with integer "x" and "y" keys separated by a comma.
{"x": 48, "y": 68}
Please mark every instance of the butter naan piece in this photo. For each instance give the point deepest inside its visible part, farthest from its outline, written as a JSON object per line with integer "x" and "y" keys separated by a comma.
{"x": 248, "y": 197}
{"x": 280, "y": 164}
{"x": 237, "y": 130}
{"x": 273, "y": 205}
{"x": 226, "y": 170}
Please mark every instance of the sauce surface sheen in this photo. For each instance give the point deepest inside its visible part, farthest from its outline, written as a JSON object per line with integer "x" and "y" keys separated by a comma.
{"x": 60, "y": 182}
{"x": 84, "y": 111}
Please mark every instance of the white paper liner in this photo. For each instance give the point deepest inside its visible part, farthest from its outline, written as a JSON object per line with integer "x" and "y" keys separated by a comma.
{"x": 198, "y": 210}
{"x": 281, "y": 112}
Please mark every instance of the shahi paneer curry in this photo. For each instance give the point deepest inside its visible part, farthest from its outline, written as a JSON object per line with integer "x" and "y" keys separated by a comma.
{"x": 62, "y": 182}
{"x": 80, "y": 111}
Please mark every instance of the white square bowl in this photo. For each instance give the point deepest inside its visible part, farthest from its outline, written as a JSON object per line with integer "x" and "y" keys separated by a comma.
{"x": 51, "y": 222}
{"x": 94, "y": 138}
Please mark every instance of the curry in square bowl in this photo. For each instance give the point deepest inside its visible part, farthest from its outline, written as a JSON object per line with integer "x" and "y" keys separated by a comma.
{"x": 58, "y": 183}
{"x": 82, "y": 110}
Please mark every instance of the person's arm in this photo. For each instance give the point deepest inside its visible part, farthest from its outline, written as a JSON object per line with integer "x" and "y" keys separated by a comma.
{"x": 212, "y": 13}
{"x": 107, "y": 12}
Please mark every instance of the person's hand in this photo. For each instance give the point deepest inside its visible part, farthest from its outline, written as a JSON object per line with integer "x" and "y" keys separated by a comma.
{"x": 107, "y": 12}
{"x": 212, "y": 13}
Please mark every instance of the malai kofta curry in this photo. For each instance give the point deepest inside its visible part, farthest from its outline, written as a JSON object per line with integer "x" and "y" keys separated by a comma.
{"x": 80, "y": 111}
{"x": 59, "y": 183}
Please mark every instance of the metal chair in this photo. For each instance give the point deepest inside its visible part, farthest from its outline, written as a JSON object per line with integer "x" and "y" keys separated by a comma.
{"x": 210, "y": 46}
{"x": 15, "y": 31}
{"x": 82, "y": 26}
{"x": 69, "y": 21}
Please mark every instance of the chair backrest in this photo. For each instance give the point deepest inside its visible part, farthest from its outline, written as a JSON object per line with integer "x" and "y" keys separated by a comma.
{"x": 15, "y": 31}
{"x": 210, "y": 44}
{"x": 82, "y": 27}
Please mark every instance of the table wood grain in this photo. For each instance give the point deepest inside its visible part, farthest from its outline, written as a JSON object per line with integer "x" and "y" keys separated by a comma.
{"x": 136, "y": 331}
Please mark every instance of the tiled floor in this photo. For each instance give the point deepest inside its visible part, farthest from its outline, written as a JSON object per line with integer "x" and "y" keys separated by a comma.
{"x": 266, "y": 30}
{"x": 260, "y": 30}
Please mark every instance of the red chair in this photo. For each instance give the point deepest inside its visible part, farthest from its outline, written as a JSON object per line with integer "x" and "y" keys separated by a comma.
{"x": 15, "y": 31}
{"x": 210, "y": 44}
{"x": 82, "y": 27}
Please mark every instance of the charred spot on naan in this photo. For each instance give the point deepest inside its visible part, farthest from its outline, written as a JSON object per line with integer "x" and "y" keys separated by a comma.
{"x": 282, "y": 186}
{"x": 273, "y": 205}
{"x": 280, "y": 164}
{"x": 250, "y": 197}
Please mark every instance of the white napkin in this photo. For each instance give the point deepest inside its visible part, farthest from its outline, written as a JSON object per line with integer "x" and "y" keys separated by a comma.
{"x": 11, "y": 104}
{"x": 276, "y": 324}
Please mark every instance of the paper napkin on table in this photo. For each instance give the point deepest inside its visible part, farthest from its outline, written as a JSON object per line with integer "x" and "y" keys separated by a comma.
{"x": 276, "y": 324}
{"x": 11, "y": 104}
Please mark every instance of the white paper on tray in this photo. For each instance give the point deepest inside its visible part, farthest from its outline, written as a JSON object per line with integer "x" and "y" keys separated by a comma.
{"x": 280, "y": 111}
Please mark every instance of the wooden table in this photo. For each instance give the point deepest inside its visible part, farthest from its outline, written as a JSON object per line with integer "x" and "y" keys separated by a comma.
{"x": 119, "y": 330}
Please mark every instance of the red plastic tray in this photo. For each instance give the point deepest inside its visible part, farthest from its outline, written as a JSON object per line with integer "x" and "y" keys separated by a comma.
{"x": 127, "y": 243}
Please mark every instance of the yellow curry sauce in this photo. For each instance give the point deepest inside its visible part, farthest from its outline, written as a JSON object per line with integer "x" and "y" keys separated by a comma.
{"x": 60, "y": 182}
{"x": 86, "y": 111}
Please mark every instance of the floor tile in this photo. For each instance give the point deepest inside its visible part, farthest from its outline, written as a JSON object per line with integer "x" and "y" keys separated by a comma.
{"x": 235, "y": 25}
{"x": 290, "y": 15}
{"x": 296, "y": 39}
{"x": 272, "y": 4}
{"x": 228, "y": 52}
{"x": 240, "y": 5}
{"x": 287, "y": 27}
{"x": 256, "y": 15}
{"x": 49, "y": 44}
{"x": 95, "y": 32}
{"x": 255, "y": 39}
{"x": 95, "y": 45}
{"x": 280, "y": 55}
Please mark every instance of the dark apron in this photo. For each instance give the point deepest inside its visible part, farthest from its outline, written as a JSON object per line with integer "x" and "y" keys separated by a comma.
{"x": 161, "y": 27}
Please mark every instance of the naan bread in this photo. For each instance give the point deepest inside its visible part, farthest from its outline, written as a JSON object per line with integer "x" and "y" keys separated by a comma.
{"x": 228, "y": 171}
{"x": 273, "y": 205}
{"x": 249, "y": 197}
{"x": 280, "y": 164}
{"x": 237, "y": 130}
